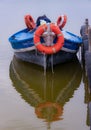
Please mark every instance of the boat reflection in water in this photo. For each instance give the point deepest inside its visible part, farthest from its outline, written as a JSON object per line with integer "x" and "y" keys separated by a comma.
{"x": 87, "y": 96}
{"x": 46, "y": 93}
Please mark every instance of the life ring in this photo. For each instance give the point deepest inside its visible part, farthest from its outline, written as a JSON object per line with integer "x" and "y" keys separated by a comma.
{"x": 29, "y": 22}
{"x": 58, "y": 110}
{"x": 61, "y": 21}
{"x": 48, "y": 49}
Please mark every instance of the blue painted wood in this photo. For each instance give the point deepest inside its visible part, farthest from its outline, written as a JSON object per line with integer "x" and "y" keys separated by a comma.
{"x": 23, "y": 45}
{"x": 24, "y": 39}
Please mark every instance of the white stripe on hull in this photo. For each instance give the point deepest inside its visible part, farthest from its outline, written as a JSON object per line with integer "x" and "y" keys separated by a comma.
{"x": 68, "y": 50}
{"x": 33, "y": 48}
{"x": 25, "y": 49}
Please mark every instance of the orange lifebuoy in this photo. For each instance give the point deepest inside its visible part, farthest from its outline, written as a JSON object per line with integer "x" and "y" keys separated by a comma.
{"x": 61, "y": 21}
{"x": 48, "y": 49}
{"x": 29, "y": 22}
{"x": 58, "y": 110}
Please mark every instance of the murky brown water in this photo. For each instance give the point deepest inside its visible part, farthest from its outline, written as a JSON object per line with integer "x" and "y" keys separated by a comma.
{"x": 28, "y": 99}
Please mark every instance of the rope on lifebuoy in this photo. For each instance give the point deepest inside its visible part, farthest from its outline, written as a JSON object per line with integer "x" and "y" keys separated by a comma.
{"x": 61, "y": 21}
{"x": 29, "y": 22}
{"x": 48, "y": 49}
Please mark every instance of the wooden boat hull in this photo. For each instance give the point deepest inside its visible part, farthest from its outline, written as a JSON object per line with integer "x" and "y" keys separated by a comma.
{"x": 24, "y": 48}
{"x": 46, "y": 60}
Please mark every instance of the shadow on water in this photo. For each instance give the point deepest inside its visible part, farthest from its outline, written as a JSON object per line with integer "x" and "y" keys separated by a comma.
{"x": 87, "y": 95}
{"x": 47, "y": 94}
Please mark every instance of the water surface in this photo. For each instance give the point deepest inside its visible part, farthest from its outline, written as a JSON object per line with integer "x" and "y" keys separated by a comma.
{"x": 24, "y": 87}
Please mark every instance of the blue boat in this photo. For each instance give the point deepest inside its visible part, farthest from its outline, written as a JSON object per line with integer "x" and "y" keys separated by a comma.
{"x": 26, "y": 49}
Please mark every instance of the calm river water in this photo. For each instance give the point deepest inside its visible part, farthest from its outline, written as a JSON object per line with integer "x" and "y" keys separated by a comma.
{"x": 28, "y": 99}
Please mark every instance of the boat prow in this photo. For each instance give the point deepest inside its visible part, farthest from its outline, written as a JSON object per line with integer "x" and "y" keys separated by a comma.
{"x": 47, "y": 40}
